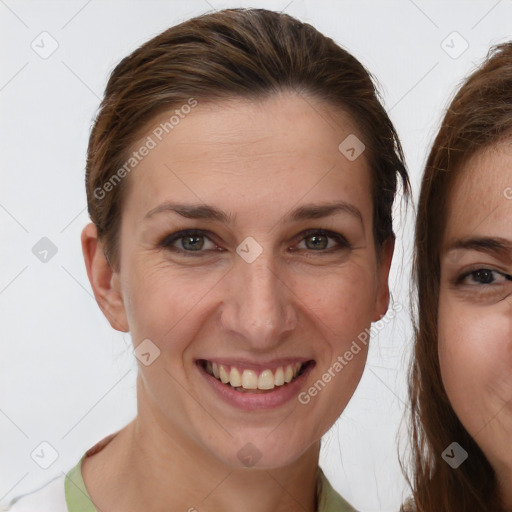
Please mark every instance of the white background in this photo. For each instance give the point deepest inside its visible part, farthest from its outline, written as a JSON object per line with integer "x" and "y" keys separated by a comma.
{"x": 67, "y": 377}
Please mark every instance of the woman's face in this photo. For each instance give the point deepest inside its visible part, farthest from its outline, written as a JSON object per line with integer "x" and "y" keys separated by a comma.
{"x": 475, "y": 303}
{"x": 256, "y": 293}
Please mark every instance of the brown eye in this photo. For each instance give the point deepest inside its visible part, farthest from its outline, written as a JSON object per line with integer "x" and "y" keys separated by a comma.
{"x": 485, "y": 276}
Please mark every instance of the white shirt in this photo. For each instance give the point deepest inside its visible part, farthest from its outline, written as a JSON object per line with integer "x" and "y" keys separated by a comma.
{"x": 50, "y": 498}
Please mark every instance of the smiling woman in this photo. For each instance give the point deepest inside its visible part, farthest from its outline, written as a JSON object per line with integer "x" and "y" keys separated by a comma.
{"x": 245, "y": 243}
{"x": 461, "y": 378}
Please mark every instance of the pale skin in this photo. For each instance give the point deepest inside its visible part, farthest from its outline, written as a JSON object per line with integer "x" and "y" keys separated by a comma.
{"x": 256, "y": 162}
{"x": 475, "y": 306}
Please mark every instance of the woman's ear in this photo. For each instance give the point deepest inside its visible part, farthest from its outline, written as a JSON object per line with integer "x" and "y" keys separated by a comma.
{"x": 104, "y": 280}
{"x": 384, "y": 264}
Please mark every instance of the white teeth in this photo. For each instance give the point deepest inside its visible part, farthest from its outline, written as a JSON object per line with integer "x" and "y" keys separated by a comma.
{"x": 279, "y": 377}
{"x": 266, "y": 380}
{"x": 248, "y": 379}
{"x": 215, "y": 370}
{"x": 223, "y": 374}
{"x": 234, "y": 377}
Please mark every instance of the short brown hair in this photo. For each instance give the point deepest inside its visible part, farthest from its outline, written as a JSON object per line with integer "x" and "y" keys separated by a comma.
{"x": 478, "y": 117}
{"x": 235, "y": 53}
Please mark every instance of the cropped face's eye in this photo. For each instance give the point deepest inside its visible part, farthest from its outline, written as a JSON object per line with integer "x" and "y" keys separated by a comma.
{"x": 478, "y": 268}
{"x": 482, "y": 284}
{"x": 483, "y": 276}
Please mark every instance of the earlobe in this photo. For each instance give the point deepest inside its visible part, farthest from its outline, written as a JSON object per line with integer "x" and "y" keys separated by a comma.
{"x": 104, "y": 280}
{"x": 382, "y": 299}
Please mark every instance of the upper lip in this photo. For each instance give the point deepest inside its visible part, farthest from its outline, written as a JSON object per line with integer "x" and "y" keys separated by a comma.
{"x": 252, "y": 365}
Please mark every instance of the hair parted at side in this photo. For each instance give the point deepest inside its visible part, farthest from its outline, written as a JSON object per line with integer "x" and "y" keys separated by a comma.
{"x": 234, "y": 53}
{"x": 479, "y": 116}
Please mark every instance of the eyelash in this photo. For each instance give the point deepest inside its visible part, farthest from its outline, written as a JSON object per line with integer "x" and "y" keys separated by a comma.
{"x": 168, "y": 240}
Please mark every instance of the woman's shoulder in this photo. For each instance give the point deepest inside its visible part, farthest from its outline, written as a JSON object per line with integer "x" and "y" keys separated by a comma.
{"x": 49, "y": 498}
{"x": 62, "y": 494}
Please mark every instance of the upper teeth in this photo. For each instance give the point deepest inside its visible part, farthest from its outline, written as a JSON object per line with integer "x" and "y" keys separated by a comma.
{"x": 249, "y": 379}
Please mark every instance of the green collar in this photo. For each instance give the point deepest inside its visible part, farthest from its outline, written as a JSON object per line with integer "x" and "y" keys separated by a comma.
{"x": 78, "y": 499}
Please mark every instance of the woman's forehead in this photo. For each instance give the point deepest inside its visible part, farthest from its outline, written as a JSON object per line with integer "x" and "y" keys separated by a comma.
{"x": 478, "y": 202}
{"x": 242, "y": 127}
{"x": 484, "y": 176}
{"x": 276, "y": 149}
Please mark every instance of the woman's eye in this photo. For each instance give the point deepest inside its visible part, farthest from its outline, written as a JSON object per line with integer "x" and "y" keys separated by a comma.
{"x": 188, "y": 241}
{"x": 322, "y": 240}
{"x": 196, "y": 241}
{"x": 484, "y": 276}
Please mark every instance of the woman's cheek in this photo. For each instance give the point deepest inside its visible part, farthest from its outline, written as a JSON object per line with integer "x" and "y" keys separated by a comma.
{"x": 455, "y": 357}
{"x": 160, "y": 291}
{"x": 473, "y": 346}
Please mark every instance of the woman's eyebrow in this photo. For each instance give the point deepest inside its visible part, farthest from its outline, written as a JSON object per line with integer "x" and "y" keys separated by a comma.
{"x": 206, "y": 212}
{"x": 495, "y": 246}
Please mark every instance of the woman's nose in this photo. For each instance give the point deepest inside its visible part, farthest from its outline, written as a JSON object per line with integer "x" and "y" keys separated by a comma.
{"x": 258, "y": 307}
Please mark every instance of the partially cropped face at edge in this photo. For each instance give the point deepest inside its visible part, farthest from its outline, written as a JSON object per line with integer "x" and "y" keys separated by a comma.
{"x": 262, "y": 293}
{"x": 475, "y": 304}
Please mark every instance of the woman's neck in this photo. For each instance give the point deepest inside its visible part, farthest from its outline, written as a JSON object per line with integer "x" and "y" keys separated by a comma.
{"x": 145, "y": 467}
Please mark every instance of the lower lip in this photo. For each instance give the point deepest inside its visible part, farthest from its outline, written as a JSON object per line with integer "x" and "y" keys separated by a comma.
{"x": 252, "y": 401}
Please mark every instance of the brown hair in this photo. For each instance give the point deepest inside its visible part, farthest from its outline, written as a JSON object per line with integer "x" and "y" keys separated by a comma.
{"x": 479, "y": 115}
{"x": 234, "y": 53}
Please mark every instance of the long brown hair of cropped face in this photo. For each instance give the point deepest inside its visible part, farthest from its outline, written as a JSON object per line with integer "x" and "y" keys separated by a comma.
{"x": 479, "y": 116}
{"x": 234, "y": 53}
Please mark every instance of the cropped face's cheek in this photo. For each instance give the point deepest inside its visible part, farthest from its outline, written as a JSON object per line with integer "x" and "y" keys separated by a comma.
{"x": 250, "y": 279}
{"x": 475, "y": 303}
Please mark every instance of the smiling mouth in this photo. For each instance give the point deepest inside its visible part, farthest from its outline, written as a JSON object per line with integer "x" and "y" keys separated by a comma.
{"x": 248, "y": 380}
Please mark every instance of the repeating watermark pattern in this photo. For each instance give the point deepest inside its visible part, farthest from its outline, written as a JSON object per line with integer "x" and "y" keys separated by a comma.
{"x": 342, "y": 360}
{"x": 149, "y": 144}
{"x": 454, "y": 45}
{"x": 44, "y": 454}
{"x": 44, "y": 250}
{"x": 147, "y": 352}
{"x": 351, "y": 147}
{"x": 454, "y": 455}
{"x": 249, "y": 249}
{"x": 45, "y": 45}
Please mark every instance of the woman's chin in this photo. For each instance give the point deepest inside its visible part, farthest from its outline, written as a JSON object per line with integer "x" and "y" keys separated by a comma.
{"x": 259, "y": 453}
